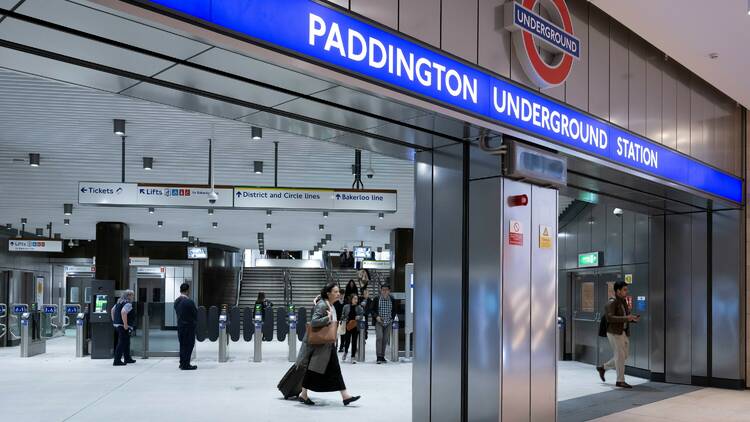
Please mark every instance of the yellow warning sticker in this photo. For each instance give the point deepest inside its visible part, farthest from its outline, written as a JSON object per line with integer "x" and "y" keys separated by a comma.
{"x": 545, "y": 237}
{"x": 628, "y": 278}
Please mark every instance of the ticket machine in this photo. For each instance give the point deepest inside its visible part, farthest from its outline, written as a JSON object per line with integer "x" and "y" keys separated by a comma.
{"x": 100, "y": 319}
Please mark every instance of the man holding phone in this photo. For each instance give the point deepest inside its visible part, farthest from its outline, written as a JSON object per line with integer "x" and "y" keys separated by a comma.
{"x": 618, "y": 331}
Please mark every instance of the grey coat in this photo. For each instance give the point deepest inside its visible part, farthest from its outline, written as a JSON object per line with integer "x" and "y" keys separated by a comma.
{"x": 317, "y": 355}
{"x": 345, "y": 312}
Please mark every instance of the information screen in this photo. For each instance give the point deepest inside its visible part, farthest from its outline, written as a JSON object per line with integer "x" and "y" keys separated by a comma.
{"x": 361, "y": 252}
{"x": 197, "y": 252}
{"x": 100, "y": 305}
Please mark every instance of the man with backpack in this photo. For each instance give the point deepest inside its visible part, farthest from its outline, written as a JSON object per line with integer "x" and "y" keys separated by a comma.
{"x": 618, "y": 319}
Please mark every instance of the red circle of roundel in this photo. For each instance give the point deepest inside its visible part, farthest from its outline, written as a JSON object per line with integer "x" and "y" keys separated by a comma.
{"x": 553, "y": 75}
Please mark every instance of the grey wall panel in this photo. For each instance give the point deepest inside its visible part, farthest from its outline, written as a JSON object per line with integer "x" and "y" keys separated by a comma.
{"x": 654, "y": 95}
{"x": 637, "y": 85}
{"x": 641, "y": 238}
{"x": 381, "y": 11}
{"x": 516, "y": 293}
{"x": 683, "y": 116}
{"x": 599, "y": 228}
{"x": 561, "y": 248}
{"x": 628, "y": 237}
{"x": 727, "y": 293}
{"x": 640, "y": 332}
{"x": 618, "y": 74}
{"x": 571, "y": 247}
{"x": 584, "y": 231}
{"x": 699, "y": 272}
{"x": 421, "y": 379}
{"x": 613, "y": 251}
{"x": 494, "y": 41}
{"x": 697, "y": 117}
{"x": 447, "y": 215}
{"x": 656, "y": 293}
{"x": 543, "y": 306}
{"x": 459, "y": 23}
{"x": 669, "y": 107}
{"x": 485, "y": 235}
{"x": 678, "y": 309}
{"x": 598, "y": 56}
{"x": 516, "y": 71}
{"x": 342, "y": 3}
{"x": 709, "y": 128}
{"x": 577, "y": 84}
{"x": 420, "y": 19}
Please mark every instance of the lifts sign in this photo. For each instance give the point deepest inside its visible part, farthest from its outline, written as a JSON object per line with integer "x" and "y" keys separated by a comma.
{"x": 528, "y": 26}
{"x": 334, "y": 38}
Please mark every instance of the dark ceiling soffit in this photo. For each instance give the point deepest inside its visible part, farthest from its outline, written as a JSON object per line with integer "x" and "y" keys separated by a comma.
{"x": 118, "y": 44}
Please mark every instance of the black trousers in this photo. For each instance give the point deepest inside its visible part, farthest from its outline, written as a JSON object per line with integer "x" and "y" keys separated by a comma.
{"x": 351, "y": 338}
{"x": 123, "y": 345}
{"x": 186, "y": 336}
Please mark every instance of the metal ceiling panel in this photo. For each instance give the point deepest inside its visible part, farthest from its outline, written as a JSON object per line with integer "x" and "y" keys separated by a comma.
{"x": 36, "y": 65}
{"x": 51, "y": 40}
{"x": 260, "y": 71}
{"x": 186, "y": 101}
{"x": 8, "y": 4}
{"x": 110, "y": 26}
{"x": 370, "y": 103}
{"x": 318, "y": 111}
{"x": 206, "y": 81}
{"x": 290, "y": 125}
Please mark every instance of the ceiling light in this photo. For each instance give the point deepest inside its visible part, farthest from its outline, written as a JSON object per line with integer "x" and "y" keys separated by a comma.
{"x": 215, "y": 225}
{"x": 151, "y": 210}
{"x": 132, "y": 242}
{"x": 34, "y": 159}
{"x": 8, "y": 226}
{"x": 66, "y": 221}
{"x": 381, "y": 215}
{"x": 191, "y": 239}
{"x": 387, "y": 246}
{"x": 258, "y": 167}
{"x": 268, "y": 226}
{"x": 321, "y": 227}
{"x": 184, "y": 235}
{"x": 39, "y": 231}
{"x": 256, "y": 132}
{"x": 325, "y": 214}
{"x": 160, "y": 224}
{"x": 380, "y": 249}
{"x": 713, "y": 56}
{"x": 372, "y": 228}
{"x": 148, "y": 163}
{"x": 269, "y": 212}
{"x": 58, "y": 236}
{"x": 210, "y": 211}
{"x": 70, "y": 243}
{"x": 328, "y": 237}
{"x": 748, "y": 7}
{"x": 119, "y": 127}
{"x": 68, "y": 209}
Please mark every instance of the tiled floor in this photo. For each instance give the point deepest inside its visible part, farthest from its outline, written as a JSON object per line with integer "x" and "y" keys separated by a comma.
{"x": 576, "y": 379}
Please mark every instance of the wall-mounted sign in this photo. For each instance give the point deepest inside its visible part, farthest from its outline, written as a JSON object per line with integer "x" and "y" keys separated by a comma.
{"x": 151, "y": 272}
{"x": 545, "y": 237}
{"x": 315, "y": 199}
{"x": 79, "y": 269}
{"x": 106, "y": 193}
{"x": 515, "y": 234}
{"x": 39, "y": 290}
{"x": 139, "y": 261}
{"x": 528, "y": 27}
{"x": 338, "y": 39}
{"x": 35, "y": 245}
{"x": 589, "y": 259}
{"x": 182, "y": 196}
{"x": 376, "y": 265}
{"x": 628, "y": 278}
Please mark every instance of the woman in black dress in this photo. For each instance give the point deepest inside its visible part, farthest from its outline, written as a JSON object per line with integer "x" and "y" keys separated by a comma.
{"x": 323, "y": 372}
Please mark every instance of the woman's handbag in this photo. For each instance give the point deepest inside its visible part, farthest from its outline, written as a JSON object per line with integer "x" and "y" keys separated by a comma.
{"x": 322, "y": 335}
{"x": 351, "y": 325}
{"x": 342, "y": 329}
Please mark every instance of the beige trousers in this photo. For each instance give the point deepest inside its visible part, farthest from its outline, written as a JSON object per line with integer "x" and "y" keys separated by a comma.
{"x": 620, "y": 347}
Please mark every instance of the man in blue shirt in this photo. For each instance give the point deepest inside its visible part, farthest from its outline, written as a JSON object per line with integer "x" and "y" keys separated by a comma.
{"x": 187, "y": 318}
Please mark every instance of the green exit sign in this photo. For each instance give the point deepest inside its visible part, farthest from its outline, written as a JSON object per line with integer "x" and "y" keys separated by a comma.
{"x": 589, "y": 259}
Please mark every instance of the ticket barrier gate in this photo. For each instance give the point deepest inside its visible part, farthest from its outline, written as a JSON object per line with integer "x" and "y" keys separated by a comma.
{"x": 292, "y": 338}
{"x": 32, "y": 343}
{"x": 258, "y": 336}
{"x": 82, "y": 349}
{"x": 362, "y": 326}
{"x": 3, "y": 325}
{"x": 14, "y": 322}
{"x": 394, "y": 340}
{"x": 49, "y": 319}
{"x": 223, "y": 338}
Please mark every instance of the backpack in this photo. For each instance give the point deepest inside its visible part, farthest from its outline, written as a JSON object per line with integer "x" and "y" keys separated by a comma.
{"x": 603, "y": 326}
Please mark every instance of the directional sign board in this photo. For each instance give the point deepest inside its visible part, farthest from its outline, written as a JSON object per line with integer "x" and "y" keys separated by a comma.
{"x": 315, "y": 199}
{"x": 182, "y": 196}
{"x": 15, "y": 245}
{"x": 106, "y": 193}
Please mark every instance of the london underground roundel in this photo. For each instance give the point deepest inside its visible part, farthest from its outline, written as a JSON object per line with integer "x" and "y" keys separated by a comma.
{"x": 545, "y": 43}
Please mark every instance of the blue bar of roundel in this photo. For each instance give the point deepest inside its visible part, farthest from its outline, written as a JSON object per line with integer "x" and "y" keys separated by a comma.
{"x": 561, "y": 46}
{"x": 197, "y": 8}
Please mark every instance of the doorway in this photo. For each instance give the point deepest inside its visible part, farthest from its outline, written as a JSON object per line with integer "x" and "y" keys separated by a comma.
{"x": 153, "y": 337}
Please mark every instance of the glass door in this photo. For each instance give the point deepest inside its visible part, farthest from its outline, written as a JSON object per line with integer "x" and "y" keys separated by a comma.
{"x": 158, "y": 339}
{"x": 585, "y": 317}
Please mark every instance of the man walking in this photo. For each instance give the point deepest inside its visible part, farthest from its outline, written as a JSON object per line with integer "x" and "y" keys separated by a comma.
{"x": 384, "y": 311}
{"x": 123, "y": 317}
{"x": 187, "y": 317}
{"x": 618, "y": 331}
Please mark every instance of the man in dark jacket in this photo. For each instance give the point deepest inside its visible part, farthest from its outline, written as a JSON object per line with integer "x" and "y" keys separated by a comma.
{"x": 383, "y": 309}
{"x": 187, "y": 317}
{"x": 618, "y": 331}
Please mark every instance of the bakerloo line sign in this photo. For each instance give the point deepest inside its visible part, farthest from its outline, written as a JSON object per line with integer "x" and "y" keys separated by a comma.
{"x": 335, "y": 38}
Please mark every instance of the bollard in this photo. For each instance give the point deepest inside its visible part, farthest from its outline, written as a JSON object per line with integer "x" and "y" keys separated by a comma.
{"x": 362, "y": 325}
{"x": 292, "y": 337}
{"x": 258, "y": 336}
{"x": 81, "y": 349}
{"x": 394, "y": 340}
{"x": 223, "y": 339}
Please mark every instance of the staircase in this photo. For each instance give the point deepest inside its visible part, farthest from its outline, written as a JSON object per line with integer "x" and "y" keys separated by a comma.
{"x": 268, "y": 280}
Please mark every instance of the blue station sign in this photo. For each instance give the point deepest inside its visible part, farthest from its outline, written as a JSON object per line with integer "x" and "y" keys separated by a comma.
{"x": 335, "y": 38}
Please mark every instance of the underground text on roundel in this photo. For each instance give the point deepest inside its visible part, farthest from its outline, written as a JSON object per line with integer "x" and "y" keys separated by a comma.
{"x": 335, "y": 38}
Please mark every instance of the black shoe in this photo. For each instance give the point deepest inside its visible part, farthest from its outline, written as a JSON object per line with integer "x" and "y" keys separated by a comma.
{"x": 118, "y": 363}
{"x": 623, "y": 385}
{"x": 307, "y": 401}
{"x": 350, "y": 400}
{"x": 601, "y": 371}
{"x": 129, "y": 360}
{"x": 189, "y": 368}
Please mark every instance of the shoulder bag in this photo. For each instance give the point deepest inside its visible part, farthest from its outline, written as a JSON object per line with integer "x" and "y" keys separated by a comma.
{"x": 322, "y": 335}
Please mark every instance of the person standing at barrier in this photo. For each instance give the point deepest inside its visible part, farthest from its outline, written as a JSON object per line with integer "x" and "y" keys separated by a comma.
{"x": 366, "y": 303}
{"x": 322, "y": 370}
{"x": 187, "y": 319}
{"x": 122, "y": 317}
{"x": 618, "y": 332}
{"x": 384, "y": 311}
{"x": 264, "y": 303}
{"x": 351, "y": 312}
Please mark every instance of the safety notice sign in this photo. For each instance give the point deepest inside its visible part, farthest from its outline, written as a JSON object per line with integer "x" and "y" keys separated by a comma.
{"x": 515, "y": 236}
{"x": 545, "y": 237}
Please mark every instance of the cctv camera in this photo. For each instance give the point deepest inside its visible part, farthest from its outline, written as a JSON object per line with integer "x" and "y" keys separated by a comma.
{"x": 212, "y": 197}
{"x": 370, "y": 174}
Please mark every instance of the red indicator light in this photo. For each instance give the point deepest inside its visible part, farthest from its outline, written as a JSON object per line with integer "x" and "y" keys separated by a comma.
{"x": 518, "y": 201}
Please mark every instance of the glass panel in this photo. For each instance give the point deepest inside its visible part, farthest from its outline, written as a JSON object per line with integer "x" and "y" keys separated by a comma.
{"x": 136, "y": 340}
{"x": 87, "y": 295}
{"x": 610, "y": 290}
{"x": 587, "y": 297}
{"x": 75, "y": 295}
{"x": 162, "y": 336}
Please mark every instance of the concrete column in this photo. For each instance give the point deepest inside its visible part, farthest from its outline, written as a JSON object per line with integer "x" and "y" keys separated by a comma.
{"x": 112, "y": 253}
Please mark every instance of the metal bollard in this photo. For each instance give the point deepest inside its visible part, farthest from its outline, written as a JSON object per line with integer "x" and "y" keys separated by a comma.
{"x": 362, "y": 325}
{"x": 394, "y": 340}
{"x": 81, "y": 349}
{"x": 223, "y": 339}
{"x": 292, "y": 337}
